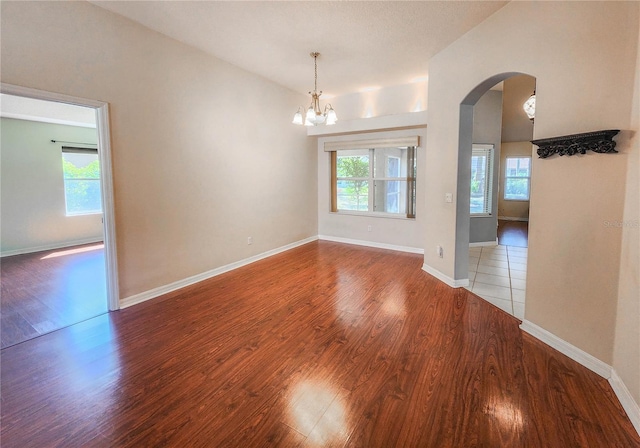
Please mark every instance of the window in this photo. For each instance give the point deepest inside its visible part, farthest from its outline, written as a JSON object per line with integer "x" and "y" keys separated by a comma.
{"x": 81, "y": 170}
{"x": 517, "y": 178}
{"x": 378, "y": 180}
{"x": 481, "y": 180}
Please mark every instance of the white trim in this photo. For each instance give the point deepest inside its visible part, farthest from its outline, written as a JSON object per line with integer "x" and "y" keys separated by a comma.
{"x": 53, "y": 246}
{"x": 460, "y": 283}
{"x": 108, "y": 206}
{"x": 384, "y": 122}
{"x": 337, "y": 239}
{"x": 161, "y": 290}
{"x": 413, "y": 140}
{"x": 581, "y": 357}
{"x": 512, "y": 218}
{"x": 626, "y": 399}
{"x": 372, "y": 214}
{"x": 106, "y": 177}
{"x": 484, "y": 243}
{"x": 26, "y": 117}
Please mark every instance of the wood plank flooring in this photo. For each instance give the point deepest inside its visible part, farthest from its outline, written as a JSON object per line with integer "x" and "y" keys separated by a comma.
{"x": 513, "y": 233}
{"x": 325, "y": 345}
{"x": 45, "y": 291}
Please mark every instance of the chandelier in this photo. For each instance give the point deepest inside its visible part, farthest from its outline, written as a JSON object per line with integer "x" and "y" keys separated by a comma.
{"x": 529, "y": 106}
{"x": 314, "y": 115}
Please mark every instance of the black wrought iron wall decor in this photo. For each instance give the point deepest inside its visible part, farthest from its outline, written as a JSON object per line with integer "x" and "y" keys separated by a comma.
{"x": 568, "y": 145}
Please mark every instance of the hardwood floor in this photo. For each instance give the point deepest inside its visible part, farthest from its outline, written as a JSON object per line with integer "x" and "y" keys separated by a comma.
{"x": 323, "y": 345}
{"x": 45, "y": 291}
{"x": 513, "y": 233}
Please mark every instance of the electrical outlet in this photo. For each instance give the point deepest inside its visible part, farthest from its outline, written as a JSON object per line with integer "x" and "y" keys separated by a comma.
{"x": 448, "y": 197}
{"x": 368, "y": 228}
{"x": 440, "y": 251}
{"x": 250, "y": 240}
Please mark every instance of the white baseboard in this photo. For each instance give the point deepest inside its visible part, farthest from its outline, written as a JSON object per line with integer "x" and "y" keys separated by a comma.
{"x": 484, "y": 243}
{"x": 161, "y": 290}
{"x": 626, "y": 399}
{"x": 592, "y": 363}
{"x": 513, "y": 218}
{"x": 53, "y": 246}
{"x": 445, "y": 278}
{"x": 337, "y": 239}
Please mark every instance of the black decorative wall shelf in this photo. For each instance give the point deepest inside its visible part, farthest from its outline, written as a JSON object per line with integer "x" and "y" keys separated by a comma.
{"x": 568, "y": 145}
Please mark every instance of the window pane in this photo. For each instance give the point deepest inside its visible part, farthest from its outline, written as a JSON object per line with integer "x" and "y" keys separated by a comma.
{"x": 393, "y": 167}
{"x": 524, "y": 169}
{"x": 478, "y": 184}
{"x": 82, "y": 196}
{"x": 518, "y": 167}
{"x": 81, "y": 183}
{"x": 391, "y": 196}
{"x": 353, "y": 166}
{"x": 80, "y": 166}
{"x": 353, "y": 195}
{"x": 390, "y": 162}
{"x": 517, "y": 189}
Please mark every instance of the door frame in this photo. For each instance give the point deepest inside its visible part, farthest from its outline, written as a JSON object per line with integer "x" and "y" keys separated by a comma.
{"x": 106, "y": 177}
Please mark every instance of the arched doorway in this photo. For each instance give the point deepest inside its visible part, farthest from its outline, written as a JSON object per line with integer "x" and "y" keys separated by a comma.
{"x": 490, "y": 121}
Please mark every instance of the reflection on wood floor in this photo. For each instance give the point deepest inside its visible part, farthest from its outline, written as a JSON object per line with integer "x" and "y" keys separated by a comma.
{"x": 45, "y": 291}
{"x": 324, "y": 345}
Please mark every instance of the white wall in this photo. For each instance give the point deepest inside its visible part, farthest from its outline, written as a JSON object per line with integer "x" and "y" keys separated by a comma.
{"x": 407, "y": 233}
{"x": 583, "y": 56}
{"x": 487, "y": 129}
{"x": 198, "y": 164}
{"x": 626, "y": 356}
{"x": 381, "y": 101}
{"x": 516, "y": 126}
{"x": 32, "y": 188}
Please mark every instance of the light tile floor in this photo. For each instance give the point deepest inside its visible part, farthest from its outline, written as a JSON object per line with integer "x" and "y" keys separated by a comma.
{"x": 498, "y": 274}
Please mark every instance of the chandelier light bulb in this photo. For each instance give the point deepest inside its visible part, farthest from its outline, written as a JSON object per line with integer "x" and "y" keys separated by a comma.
{"x": 297, "y": 118}
{"x": 529, "y": 106}
{"x": 331, "y": 116}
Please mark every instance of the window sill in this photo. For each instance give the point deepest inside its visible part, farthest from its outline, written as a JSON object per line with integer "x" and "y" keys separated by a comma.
{"x": 372, "y": 215}
{"x": 516, "y": 200}
{"x": 71, "y": 215}
{"x": 480, "y": 215}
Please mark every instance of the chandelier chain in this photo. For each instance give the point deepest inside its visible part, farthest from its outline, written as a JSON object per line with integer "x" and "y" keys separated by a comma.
{"x": 315, "y": 55}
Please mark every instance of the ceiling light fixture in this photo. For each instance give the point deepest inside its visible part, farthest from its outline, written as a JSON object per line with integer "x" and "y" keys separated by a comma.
{"x": 529, "y": 106}
{"x": 314, "y": 116}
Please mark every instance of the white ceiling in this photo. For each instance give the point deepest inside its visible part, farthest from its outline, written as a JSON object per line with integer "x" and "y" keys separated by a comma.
{"x": 362, "y": 43}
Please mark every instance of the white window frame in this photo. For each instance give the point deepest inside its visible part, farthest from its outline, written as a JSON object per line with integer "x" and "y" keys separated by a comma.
{"x": 507, "y": 177}
{"x": 486, "y": 150}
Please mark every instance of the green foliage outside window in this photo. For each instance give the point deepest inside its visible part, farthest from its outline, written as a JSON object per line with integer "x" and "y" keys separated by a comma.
{"x": 353, "y": 194}
{"x": 82, "y": 187}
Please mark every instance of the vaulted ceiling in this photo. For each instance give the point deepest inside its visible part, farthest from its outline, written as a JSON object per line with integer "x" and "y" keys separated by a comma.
{"x": 362, "y": 43}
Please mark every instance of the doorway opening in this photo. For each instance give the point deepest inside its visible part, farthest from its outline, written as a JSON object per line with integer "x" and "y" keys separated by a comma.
{"x": 58, "y": 240}
{"x": 496, "y": 127}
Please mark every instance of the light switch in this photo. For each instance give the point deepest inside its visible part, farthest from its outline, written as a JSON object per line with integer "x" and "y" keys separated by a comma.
{"x": 448, "y": 197}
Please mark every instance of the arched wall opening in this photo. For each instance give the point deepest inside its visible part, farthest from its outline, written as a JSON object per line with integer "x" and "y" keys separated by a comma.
{"x": 465, "y": 143}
